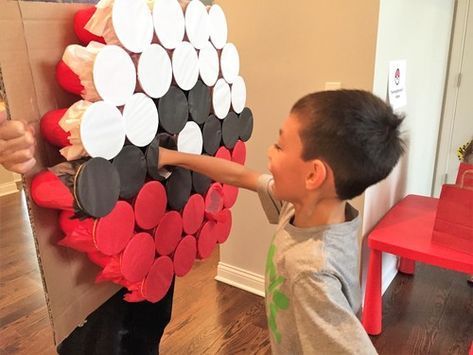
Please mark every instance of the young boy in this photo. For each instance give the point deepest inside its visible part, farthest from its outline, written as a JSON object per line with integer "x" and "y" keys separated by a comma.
{"x": 333, "y": 145}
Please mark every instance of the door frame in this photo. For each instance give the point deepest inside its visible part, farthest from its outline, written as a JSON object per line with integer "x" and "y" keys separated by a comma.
{"x": 455, "y": 64}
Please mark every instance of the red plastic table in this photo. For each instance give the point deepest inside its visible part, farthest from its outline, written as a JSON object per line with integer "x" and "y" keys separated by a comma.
{"x": 405, "y": 231}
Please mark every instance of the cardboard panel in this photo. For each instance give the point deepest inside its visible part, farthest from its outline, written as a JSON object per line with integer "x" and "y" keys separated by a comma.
{"x": 32, "y": 39}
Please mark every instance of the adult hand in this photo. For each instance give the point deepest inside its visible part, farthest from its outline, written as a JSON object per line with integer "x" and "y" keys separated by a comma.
{"x": 17, "y": 145}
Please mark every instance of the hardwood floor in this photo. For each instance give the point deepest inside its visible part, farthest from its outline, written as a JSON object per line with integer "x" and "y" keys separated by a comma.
{"x": 430, "y": 313}
{"x": 24, "y": 320}
{"x": 210, "y": 317}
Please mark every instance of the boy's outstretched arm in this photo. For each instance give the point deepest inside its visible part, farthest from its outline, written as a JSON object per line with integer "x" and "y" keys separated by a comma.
{"x": 217, "y": 169}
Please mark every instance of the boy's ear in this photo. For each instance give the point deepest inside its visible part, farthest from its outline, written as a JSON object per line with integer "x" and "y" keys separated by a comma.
{"x": 317, "y": 175}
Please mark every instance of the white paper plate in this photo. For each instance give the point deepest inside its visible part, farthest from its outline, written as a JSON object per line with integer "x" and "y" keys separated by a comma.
{"x": 133, "y": 24}
{"x": 238, "y": 94}
{"x": 169, "y": 23}
{"x": 114, "y": 75}
{"x": 141, "y": 119}
{"x": 209, "y": 66}
{"x": 230, "y": 62}
{"x": 221, "y": 99}
{"x": 102, "y": 130}
{"x": 190, "y": 139}
{"x": 155, "y": 71}
{"x": 218, "y": 26}
{"x": 197, "y": 23}
{"x": 185, "y": 65}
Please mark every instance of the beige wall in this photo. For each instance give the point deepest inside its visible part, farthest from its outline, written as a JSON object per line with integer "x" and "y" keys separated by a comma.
{"x": 285, "y": 52}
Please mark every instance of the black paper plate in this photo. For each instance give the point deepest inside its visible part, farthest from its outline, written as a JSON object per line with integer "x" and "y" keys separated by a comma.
{"x": 97, "y": 187}
{"x": 131, "y": 166}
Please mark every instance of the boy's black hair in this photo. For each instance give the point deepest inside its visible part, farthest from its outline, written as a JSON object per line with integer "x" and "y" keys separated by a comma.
{"x": 354, "y": 132}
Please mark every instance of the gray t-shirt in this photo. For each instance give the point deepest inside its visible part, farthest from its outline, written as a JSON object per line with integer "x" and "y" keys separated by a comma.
{"x": 312, "y": 283}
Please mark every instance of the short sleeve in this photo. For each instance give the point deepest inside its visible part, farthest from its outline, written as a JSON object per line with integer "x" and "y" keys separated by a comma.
{"x": 271, "y": 205}
{"x": 324, "y": 320}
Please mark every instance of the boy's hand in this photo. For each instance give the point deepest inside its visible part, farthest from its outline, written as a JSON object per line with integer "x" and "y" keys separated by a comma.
{"x": 164, "y": 157}
{"x": 221, "y": 170}
{"x": 17, "y": 145}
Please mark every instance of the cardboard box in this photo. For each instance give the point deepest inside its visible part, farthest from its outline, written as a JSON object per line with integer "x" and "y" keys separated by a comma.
{"x": 33, "y": 36}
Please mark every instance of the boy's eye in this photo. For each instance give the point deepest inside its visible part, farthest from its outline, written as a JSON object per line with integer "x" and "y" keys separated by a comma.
{"x": 276, "y": 146}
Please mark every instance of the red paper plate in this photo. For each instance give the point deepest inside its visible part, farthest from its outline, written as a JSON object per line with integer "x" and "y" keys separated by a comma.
{"x": 239, "y": 152}
{"x": 224, "y": 226}
{"x": 113, "y": 232}
{"x": 214, "y": 200}
{"x": 137, "y": 257}
{"x": 223, "y": 153}
{"x": 207, "y": 240}
{"x": 184, "y": 255}
{"x": 193, "y": 214}
{"x": 230, "y": 194}
{"x": 159, "y": 279}
{"x": 168, "y": 233}
{"x": 150, "y": 205}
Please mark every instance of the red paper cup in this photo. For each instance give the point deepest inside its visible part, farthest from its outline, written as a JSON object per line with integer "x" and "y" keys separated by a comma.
{"x": 51, "y": 130}
{"x": 48, "y": 191}
{"x": 67, "y": 79}
{"x": 80, "y": 20}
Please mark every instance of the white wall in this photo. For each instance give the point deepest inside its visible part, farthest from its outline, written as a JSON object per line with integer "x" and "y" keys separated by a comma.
{"x": 419, "y": 32}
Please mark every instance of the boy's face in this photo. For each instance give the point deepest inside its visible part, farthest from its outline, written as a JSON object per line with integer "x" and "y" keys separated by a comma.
{"x": 286, "y": 165}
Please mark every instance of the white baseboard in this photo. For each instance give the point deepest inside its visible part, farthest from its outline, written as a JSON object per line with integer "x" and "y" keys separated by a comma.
{"x": 254, "y": 283}
{"x": 388, "y": 277}
{"x": 8, "y": 188}
{"x": 240, "y": 278}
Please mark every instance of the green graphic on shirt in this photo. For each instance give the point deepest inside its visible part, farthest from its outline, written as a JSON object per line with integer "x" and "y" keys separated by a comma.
{"x": 276, "y": 299}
